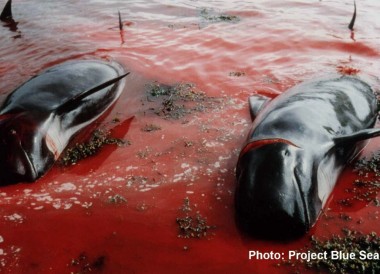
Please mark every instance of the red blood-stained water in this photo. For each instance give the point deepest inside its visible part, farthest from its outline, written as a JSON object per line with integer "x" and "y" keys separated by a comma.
{"x": 68, "y": 220}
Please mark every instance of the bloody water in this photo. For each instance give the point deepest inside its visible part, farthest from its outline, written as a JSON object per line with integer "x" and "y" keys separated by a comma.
{"x": 68, "y": 221}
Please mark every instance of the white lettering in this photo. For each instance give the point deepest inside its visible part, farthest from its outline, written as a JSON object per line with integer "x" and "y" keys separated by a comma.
{"x": 254, "y": 254}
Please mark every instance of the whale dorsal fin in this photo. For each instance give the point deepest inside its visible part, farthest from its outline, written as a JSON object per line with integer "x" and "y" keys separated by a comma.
{"x": 256, "y": 104}
{"x": 357, "y": 136}
{"x": 352, "y": 23}
{"x": 68, "y": 103}
{"x": 120, "y": 21}
{"x": 6, "y": 14}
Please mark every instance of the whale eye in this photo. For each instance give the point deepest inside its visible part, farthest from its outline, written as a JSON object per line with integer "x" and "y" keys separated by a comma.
{"x": 11, "y": 136}
{"x": 287, "y": 152}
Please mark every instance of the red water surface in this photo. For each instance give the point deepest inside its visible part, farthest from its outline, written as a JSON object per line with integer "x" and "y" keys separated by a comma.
{"x": 65, "y": 222}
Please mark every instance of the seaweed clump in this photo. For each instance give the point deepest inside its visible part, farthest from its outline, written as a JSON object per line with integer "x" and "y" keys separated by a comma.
{"x": 237, "y": 73}
{"x": 117, "y": 199}
{"x": 365, "y": 166}
{"x": 151, "y": 128}
{"x": 211, "y": 16}
{"x": 367, "y": 186}
{"x": 362, "y": 190}
{"x": 192, "y": 226}
{"x": 363, "y": 250}
{"x": 80, "y": 151}
{"x": 177, "y": 100}
{"x": 84, "y": 265}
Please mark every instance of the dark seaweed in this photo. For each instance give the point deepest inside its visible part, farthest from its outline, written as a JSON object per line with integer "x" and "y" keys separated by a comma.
{"x": 81, "y": 151}
{"x": 367, "y": 186}
{"x": 150, "y": 128}
{"x": 350, "y": 242}
{"x": 192, "y": 226}
{"x": 212, "y": 16}
{"x": 176, "y": 101}
{"x": 237, "y": 73}
{"x": 117, "y": 199}
{"x": 83, "y": 264}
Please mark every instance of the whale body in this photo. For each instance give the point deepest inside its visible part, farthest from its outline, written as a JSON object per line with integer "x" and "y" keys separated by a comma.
{"x": 298, "y": 146}
{"x": 39, "y": 118}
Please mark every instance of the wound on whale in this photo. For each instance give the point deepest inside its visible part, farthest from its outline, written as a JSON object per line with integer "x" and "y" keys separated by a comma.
{"x": 39, "y": 118}
{"x": 297, "y": 147}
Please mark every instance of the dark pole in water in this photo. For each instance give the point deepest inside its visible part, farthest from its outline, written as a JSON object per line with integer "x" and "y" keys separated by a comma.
{"x": 6, "y": 14}
{"x": 351, "y": 25}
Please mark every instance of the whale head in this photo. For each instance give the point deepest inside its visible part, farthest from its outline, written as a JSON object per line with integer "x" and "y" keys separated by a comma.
{"x": 22, "y": 147}
{"x": 275, "y": 195}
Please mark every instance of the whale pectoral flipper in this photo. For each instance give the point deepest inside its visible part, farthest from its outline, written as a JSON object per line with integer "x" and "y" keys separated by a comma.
{"x": 357, "y": 136}
{"x": 67, "y": 104}
{"x": 256, "y": 104}
{"x": 6, "y": 14}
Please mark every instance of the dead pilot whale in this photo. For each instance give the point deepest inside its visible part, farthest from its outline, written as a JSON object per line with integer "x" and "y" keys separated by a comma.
{"x": 299, "y": 144}
{"x": 38, "y": 119}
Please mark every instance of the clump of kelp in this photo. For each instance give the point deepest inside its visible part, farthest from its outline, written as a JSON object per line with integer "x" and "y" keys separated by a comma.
{"x": 151, "y": 128}
{"x": 178, "y": 100}
{"x": 212, "y": 16}
{"x": 367, "y": 186}
{"x": 362, "y": 248}
{"x": 237, "y": 73}
{"x": 83, "y": 264}
{"x": 80, "y": 151}
{"x": 192, "y": 226}
{"x": 209, "y": 16}
{"x": 117, "y": 199}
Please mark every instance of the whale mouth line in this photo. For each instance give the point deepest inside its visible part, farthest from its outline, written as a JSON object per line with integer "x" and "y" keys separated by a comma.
{"x": 32, "y": 168}
{"x": 252, "y": 143}
{"x": 28, "y": 161}
{"x": 304, "y": 202}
